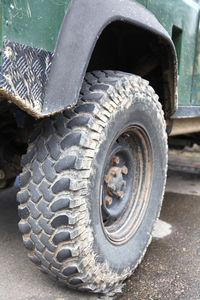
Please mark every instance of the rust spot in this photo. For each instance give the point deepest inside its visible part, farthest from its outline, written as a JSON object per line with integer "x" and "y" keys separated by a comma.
{"x": 108, "y": 201}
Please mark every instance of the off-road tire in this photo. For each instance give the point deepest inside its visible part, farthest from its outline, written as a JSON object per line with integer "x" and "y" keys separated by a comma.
{"x": 58, "y": 200}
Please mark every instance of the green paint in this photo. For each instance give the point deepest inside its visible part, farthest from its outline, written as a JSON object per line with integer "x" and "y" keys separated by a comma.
{"x": 33, "y": 22}
{"x": 180, "y": 19}
{"x": 143, "y": 2}
{"x": 37, "y": 23}
{"x": 196, "y": 78}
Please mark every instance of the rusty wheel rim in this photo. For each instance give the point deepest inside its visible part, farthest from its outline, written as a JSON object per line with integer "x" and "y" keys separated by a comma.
{"x": 126, "y": 184}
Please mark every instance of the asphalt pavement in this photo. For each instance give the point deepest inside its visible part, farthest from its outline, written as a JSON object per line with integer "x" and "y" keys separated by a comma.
{"x": 170, "y": 269}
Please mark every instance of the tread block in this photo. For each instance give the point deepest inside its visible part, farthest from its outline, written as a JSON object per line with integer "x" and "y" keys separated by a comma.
{"x": 45, "y": 226}
{"x": 48, "y": 170}
{"x": 43, "y": 261}
{"x": 43, "y": 207}
{"x": 55, "y": 272}
{"x": 61, "y": 236}
{"x": 88, "y": 143}
{"x": 68, "y": 271}
{"x": 22, "y": 196}
{"x": 90, "y": 78}
{"x": 35, "y": 195}
{"x": 76, "y": 281}
{"x": 59, "y": 204}
{"x": 70, "y": 140}
{"x": 23, "y": 212}
{"x": 55, "y": 264}
{"x": 45, "y": 190}
{"x": 101, "y": 74}
{"x": 34, "y": 225}
{"x": 87, "y": 108}
{"x": 34, "y": 259}
{"x": 99, "y": 87}
{"x": 81, "y": 120}
{"x": 35, "y": 213}
{"x": 61, "y": 185}
{"x": 60, "y": 125}
{"x": 37, "y": 174}
{"x": 28, "y": 244}
{"x": 69, "y": 113}
{"x": 50, "y": 257}
{"x": 24, "y": 228}
{"x": 43, "y": 269}
{"x": 60, "y": 220}
{"x": 66, "y": 163}
{"x": 63, "y": 254}
{"x": 42, "y": 152}
{"x": 24, "y": 178}
{"x": 54, "y": 147}
{"x": 45, "y": 240}
{"x": 37, "y": 242}
{"x": 92, "y": 97}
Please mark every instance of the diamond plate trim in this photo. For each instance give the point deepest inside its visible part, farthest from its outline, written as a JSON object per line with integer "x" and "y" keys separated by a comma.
{"x": 24, "y": 77}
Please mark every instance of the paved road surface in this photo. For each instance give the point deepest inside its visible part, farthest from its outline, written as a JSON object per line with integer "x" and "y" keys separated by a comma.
{"x": 170, "y": 270}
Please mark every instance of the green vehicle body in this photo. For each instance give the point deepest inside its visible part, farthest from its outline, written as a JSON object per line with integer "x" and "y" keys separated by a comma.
{"x": 37, "y": 24}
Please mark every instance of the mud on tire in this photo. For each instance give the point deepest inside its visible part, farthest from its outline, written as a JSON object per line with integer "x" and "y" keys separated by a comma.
{"x": 60, "y": 196}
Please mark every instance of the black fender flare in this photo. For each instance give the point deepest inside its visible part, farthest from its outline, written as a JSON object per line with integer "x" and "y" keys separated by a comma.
{"x": 81, "y": 28}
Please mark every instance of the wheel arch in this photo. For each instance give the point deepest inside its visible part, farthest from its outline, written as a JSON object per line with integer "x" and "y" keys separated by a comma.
{"x": 130, "y": 48}
{"x": 80, "y": 44}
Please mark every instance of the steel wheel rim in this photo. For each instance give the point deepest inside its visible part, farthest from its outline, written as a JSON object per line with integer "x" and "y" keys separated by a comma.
{"x": 129, "y": 160}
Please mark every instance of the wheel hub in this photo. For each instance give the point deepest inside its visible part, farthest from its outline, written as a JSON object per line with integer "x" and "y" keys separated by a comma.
{"x": 126, "y": 184}
{"x": 114, "y": 181}
{"x": 117, "y": 176}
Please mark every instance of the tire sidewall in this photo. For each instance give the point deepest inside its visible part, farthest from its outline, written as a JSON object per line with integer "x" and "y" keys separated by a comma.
{"x": 144, "y": 114}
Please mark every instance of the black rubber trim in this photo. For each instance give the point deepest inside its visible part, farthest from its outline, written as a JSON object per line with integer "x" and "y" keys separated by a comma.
{"x": 81, "y": 28}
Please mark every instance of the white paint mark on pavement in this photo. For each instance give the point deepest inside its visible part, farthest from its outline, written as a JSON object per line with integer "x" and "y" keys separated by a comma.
{"x": 161, "y": 229}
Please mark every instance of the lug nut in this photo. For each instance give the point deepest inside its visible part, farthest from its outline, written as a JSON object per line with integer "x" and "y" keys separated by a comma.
{"x": 120, "y": 194}
{"x": 113, "y": 173}
{"x": 124, "y": 182}
{"x": 112, "y": 187}
{"x": 124, "y": 170}
{"x": 108, "y": 201}
{"x": 115, "y": 160}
